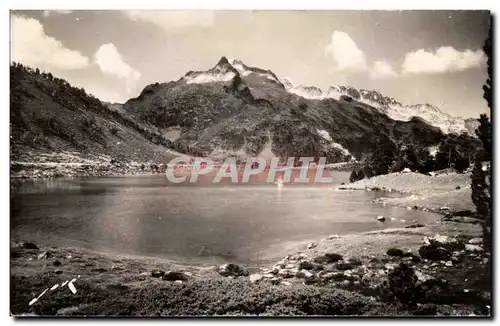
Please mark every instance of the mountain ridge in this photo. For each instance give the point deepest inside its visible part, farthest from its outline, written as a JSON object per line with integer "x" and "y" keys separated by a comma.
{"x": 231, "y": 109}
{"x": 248, "y": 109}
{"x": 385, "y": 104}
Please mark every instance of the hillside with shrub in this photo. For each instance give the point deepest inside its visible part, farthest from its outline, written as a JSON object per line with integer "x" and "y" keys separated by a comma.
{"x": 48, "y": 115}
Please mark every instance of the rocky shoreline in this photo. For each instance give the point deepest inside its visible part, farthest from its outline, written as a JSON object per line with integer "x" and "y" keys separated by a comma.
{"x": 442, "y": 265}
{"x": 448, "y": 279}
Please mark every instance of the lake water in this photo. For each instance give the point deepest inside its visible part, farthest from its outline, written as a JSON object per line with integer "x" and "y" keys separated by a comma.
{"x": 145, "y": 215}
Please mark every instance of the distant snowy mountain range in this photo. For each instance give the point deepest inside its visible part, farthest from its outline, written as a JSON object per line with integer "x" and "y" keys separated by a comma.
{"x": 388, "y": 105}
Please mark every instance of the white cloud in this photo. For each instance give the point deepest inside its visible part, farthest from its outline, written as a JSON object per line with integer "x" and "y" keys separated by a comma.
{"x": 346, "y": 54}
{"x": 382, "y": 69}
{"x": 111, "y": 62}
{"x": 31, "y": 46}
{"x": 173, "y": 20}
{"x": 47, "y": 13}
{"x": 444, "y": 59}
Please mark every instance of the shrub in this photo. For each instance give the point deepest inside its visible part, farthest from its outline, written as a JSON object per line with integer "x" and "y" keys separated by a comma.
{"x": 213, "y": 297}
{"x": 113, "y": 130}
{"x": 303, "y": 107}
{"x": 356, "y": 175}
{"x": 402, "y": 285}
{"x": 481, "y": 180}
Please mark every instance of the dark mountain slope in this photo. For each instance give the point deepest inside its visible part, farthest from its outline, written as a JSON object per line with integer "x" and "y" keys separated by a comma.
{"x": 50, "y": 116}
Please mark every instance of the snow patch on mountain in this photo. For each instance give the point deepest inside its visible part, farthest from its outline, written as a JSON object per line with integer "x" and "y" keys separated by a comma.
{"x": 431, "y": 114}
{"x": 326, "y": 136}
{"x": 210, "y": 77}
{"x": 433, "y": 150}
{"x": 286, "y": 81}
{"x": 238, "y": 65}
{"x": 245, "y": 70}
{"x": 308, "y": 92}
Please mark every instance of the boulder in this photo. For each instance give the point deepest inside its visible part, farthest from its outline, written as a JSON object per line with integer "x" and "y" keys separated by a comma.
{"x": 346, "y": 283}
{"x": 301, "y": 256}
{"x": 30, "y": 245}
{"x": 232, "y": 270}
{"x": 255, "y": 278}
{"x": 285, "y": 273}
{"x": 157, "y": 273}
{"x": 343, "y": 266}
{"x": 310, "y": 280}
{"x": 56, "y": 263}
{"x": 449, "y": 243}
{"x": 44, "y": 255}
{"x": 412, "y": 257}
{"x": 336, "y": 276}
{"x": 311, "y": 246}
{"x": 476, "y": 241}
{"x": 433, "y": 252}
{"x": 279, "y": 266}
{"x": 307, "y": 265}
{"x": 423, "y": 277}
{"x": 381, "y": 218}
{"x": 174, "y": 276}
{"x": 333, "y": 236}
{"x": 304, "y": 274}
{"x": 473, "y": 248}
{"x": 390, "y": 267}
{"x": 395, "y": 252}
{"x": 328, "y": 258}
{"x": 354, "y": 261}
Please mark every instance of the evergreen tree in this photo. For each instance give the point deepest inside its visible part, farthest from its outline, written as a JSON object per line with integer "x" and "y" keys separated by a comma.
{"x": 481, "y": 179}
{"x": 484, "y": 133}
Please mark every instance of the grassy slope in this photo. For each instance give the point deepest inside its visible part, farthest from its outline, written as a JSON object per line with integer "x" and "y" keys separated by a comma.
{"x": 51, "y": 117}
{"x": 429, "y": 192}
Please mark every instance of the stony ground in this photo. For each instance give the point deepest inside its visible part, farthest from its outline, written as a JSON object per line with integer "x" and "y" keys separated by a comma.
{"x": 69, "y": 164}
{"x": 445, "y": 191}
{"x": 436, "y": 269}
{"x": 448, "y": 282}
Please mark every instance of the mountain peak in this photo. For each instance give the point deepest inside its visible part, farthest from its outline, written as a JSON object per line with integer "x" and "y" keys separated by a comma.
{"x": 223, "y": 61}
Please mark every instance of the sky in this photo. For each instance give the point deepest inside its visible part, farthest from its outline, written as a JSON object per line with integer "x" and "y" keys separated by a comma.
{"x": 416, "y": 57}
